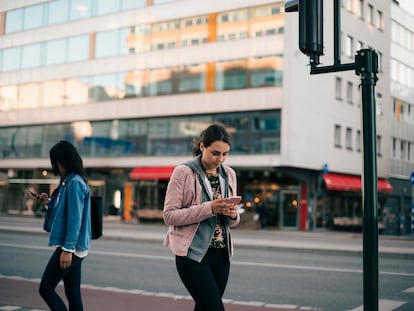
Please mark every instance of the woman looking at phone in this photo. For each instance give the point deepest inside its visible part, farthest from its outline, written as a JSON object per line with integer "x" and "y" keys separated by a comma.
{"x": 200, "y": 218}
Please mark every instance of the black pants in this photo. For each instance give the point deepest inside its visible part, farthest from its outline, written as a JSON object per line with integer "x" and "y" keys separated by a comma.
{"x": 207, "y": 280}
{"x": 71, "y": 276}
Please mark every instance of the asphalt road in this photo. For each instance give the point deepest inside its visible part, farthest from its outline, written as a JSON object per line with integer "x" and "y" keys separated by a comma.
{"x": 142, "y": 273}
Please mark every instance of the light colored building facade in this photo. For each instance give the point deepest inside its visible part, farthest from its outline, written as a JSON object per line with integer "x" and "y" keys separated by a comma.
{"x": 130, "y": 83}
{"x": 402, "y": 130}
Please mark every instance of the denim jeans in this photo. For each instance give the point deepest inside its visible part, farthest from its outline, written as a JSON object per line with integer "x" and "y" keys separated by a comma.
{"x": 71, "y": 277}
{"x": 207, "y": 280}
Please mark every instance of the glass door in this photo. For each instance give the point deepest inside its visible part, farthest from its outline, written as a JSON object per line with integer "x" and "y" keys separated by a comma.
{"x": 289, "y": 205}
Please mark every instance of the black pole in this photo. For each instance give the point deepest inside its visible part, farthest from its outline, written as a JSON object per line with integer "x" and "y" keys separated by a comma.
{"x": 366, "y": 63}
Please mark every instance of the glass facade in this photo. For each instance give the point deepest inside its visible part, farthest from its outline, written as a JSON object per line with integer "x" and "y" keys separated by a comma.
{"x": 253, "y": 133}
{"x": 234, "y": 74}
{"x": 138, "y": 38}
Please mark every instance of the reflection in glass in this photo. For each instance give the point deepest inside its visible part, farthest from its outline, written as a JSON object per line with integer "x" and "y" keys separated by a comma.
{"x": 138, "y": 38}
{"x": 194, "y": 30}
{"x": 232, "y": 24}
{"x": 8, "y": 98}
{"x": 14, "y": 21}
{"x": 267, "y": 20}
{"x": 79, "y": 9}
{"x": 57, "y": 11}
{"x": 231, "y": 75}
{"x": 105, "y": 87}
{"x": 54, "y": 93}
{"x": 29, "y": 96}
{"x": 56, "y": 52}
{"x": 107, "y": 6}
{"x": 165, "y": 35}
{"x": 253, "y": 132}
{"x": 133, "y": 4}
{"x": 265, "y": 71}
{"x": 76, "y": 91}
{"x": 134, "y": 82}
{"x": 163, "y": 1}
{"x": 31, "y": 55}
{"x": 108, "y": 43}
{"x": 78, "y": 48}
{"x": 160, "y": 82}
{"x": 33, "y": 16}
{"x": 11, "y": 59}
{"x": 192, "y": 79}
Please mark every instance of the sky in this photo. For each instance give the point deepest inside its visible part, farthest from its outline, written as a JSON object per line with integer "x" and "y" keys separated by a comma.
{"x": 407, "y": 5}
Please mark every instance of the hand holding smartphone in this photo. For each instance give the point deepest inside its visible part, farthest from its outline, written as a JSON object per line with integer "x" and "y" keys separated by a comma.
{"x": 235, "y": 199}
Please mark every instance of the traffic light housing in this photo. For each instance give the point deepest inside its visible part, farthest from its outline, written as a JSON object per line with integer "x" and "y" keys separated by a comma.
{"x": 310, "y": 26}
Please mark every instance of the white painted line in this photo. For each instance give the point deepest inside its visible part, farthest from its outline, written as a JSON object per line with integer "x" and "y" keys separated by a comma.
{"x": 409, "y": 290}
{"x": 384, "y": 305}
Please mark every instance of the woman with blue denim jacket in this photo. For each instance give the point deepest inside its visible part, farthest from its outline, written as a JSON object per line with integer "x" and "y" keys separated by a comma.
{"x": 69, "y": 226}
{"x": 199, "y": 216}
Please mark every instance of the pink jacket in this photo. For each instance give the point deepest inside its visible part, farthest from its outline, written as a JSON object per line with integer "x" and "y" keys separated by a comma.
{"x": 184, "y": 209}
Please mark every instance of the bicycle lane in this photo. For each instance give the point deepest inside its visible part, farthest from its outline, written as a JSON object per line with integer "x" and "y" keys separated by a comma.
{"x": 22, "y": 294}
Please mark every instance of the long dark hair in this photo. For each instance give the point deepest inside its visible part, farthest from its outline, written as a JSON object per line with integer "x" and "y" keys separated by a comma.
{"x": 67, "y": 155}
{"x": 214, "y": 132}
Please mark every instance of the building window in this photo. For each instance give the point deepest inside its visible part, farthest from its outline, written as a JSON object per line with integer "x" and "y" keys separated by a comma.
{"x": 348, "y": 138}
{"x": 379, "y": 146}
{"x": 359, "y": 10}
{"x": 338, "y": 88}
{"x": 31, "y": 56}
{"x": 57, "y": 11}
{"x": 33, "y": 16}
{"x": 380, "y": 20}
{"x": 349, "y": 46}
{"x": 359, "y": 45}
{"x": 349, "y": 92}
{"x": 403, "y": 149}
{"x": 379, "y": 104}
{"x": 78, "y": 48}
{"x": 107, "y": 6}
{"x": 80, "y": 9}
{"x": 11, "y": 59}
{"x": 394, "y": 148}
{"x": 337, "y": 137}
{"x": 56, "y": 52}
{"x": 370, "y": 14}
{"x": 14, "y": 21}
{"x": 358, "y": 142}
{"x": 379, "y": 61}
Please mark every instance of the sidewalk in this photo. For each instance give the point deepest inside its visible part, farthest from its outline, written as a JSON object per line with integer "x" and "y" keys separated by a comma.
{"x": 321, "y": 241}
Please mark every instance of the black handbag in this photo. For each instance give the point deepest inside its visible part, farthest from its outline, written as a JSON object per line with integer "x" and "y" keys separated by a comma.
{"x": 96, "y": 217}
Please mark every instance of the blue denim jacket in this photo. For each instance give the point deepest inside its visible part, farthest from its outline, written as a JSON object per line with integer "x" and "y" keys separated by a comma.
{"x": 71, "y": 227}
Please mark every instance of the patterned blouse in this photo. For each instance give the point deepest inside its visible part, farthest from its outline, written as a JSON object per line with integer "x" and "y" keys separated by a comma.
{"x": 219, "y": 238}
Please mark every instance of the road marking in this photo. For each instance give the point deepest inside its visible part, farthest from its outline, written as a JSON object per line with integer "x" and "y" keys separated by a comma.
{"x": 409, "y": 290}
{"x": 384, "y": 305}
{"x": 234, "y": 262}
{"x": 160, "y": 294}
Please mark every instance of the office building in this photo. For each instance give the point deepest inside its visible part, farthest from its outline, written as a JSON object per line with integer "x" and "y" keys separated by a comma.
{"x": 131, "y": 83}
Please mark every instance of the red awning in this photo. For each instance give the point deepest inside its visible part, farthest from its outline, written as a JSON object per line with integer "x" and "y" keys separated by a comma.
{"x": 151, "y": 173}
{"x": 341, "y": 182}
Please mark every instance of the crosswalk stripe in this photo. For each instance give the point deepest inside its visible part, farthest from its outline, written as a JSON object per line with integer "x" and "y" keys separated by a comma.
{"x": 409, "y": 290}
{"x": 384, "y": 305}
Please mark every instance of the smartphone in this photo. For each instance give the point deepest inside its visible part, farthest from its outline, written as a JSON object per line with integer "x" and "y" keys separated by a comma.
{"x": 236, "y": 199}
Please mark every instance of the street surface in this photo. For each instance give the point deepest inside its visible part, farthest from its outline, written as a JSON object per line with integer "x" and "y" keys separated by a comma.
{"x": 134, "y": 274}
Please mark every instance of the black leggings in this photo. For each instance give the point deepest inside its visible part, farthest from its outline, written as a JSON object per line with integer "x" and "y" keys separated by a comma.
{"x": 71, "y": 276}
{"x": 207, "y": 280}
